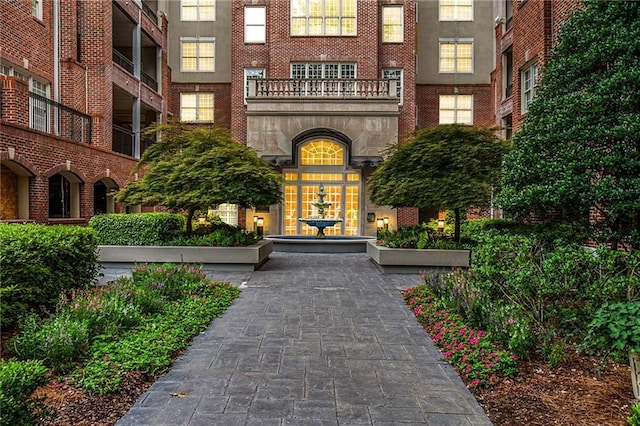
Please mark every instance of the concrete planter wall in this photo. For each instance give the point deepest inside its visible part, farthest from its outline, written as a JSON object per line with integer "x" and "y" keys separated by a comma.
{"x": 248, "y": 258}
{"x": 408, "y": 261}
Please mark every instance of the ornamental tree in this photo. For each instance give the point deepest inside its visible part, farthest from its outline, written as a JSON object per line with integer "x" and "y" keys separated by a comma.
{"x": 448, "y": 167}
{"x": 579, "y": 147}
{"x": 193, "y": 169}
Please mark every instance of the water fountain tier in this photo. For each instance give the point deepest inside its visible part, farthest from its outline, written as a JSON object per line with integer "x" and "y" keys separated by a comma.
{"x": 320, "y": 221}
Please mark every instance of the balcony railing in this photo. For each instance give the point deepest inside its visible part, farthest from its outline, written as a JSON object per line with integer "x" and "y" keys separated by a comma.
{"x": 149, "y": 81}
{"x": 67, "y": 122}
{"x": 123, "y": 61}
{"x": 150, "y": 13}
{"x": 323, "y": 88}
{"x": 123, "y": 141}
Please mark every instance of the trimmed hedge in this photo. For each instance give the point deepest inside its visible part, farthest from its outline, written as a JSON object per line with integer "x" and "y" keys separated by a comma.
{"x": 39, "y": 262}
{"x": 137, "y": 229}
{"x": 17, "y": 381}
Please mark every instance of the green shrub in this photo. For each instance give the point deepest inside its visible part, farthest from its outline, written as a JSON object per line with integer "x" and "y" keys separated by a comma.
{"x": 38, "y": 263}
{"x": 17, "y": 381}
{"x": 417, "y": 237}
{"x": 614, "y": 329}
{"x": 58, "y": 341}
{"x": 634, "y": 418}
{"x": 138, "y": 229}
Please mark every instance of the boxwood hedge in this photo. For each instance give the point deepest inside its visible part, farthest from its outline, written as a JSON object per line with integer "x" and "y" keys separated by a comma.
{"x": 137, "y": 229}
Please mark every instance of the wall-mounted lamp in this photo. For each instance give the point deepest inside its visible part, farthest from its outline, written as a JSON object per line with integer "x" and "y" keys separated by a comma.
{"x": 379, "y": 223}
{"x": 202, "y": 220}
{"x": 259, "y": 224}
{"x": 385, "y": 221}
{"x": 441, "y": 226}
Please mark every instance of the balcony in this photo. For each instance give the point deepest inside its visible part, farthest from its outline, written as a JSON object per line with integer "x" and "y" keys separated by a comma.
{"x": 47, "y": 115}
{"x": 377, "y": 89}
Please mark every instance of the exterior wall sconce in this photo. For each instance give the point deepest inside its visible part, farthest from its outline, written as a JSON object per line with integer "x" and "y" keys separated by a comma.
{"x": 202, "y": 220}
{"x": 379, "y": 223}
{"x": 385, "y": 221}
{"x": 441, "y": 226}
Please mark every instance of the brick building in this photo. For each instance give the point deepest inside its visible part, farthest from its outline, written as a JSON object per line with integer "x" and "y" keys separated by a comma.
{"x": 319, "y": 88}
{"x": 79, "y": 81}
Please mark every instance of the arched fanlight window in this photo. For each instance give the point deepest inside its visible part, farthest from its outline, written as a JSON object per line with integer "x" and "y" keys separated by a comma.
{"x": 322, "y": 153}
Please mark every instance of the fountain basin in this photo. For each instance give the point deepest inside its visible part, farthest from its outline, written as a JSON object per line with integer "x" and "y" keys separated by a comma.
{"x": 320, "y": 223}
{"x": 310, "y": 244}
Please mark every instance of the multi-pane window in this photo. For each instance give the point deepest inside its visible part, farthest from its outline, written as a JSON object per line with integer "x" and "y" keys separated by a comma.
{"x": 252, "y": 73}
{"x": 196, "y": 106}
{"x": 456, "y": 10}
{"x": 456, "y": 56}
{"x": 36, "y": 8}
{"x": 456, "y": 109}
{"x": 323, "y": 17}
{"x": 228, "y": 213}
{"x": 529, "y": 82}
{"x": 321, "y": 152}
{"x": 198, "y": 10}
{"x": 39, "y": 106}
{"x": 392, "y": 24}
{"x": 317, "y": 70}
{"x": 394, "y": 74}
{"x": 198, "y": 54}
{"x": 255, "y": 21}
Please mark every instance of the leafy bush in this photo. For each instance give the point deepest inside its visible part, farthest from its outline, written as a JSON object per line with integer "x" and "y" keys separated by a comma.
{"x": 615, "y": 329}
{"x": 40, "y": 262}
{"x": 561, "y": 233}
{"x": 216, "y": 233}
{"x": 138, "y": 229}
{"x": 417, "y": 237}
{"x": 634, "y": 419}
{"x": 17, "y": 381}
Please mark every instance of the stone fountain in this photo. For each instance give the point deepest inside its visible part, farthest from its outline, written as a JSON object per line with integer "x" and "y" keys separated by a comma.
{"x": 320, "y": 222}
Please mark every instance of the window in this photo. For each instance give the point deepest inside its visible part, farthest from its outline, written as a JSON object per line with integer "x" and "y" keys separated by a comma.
{"x": 252, "y": 73}
{"x": 392, "y": 24}
{"x": 198, "y": 10}
{"x": 196, "y": 106}
{"x": 396, "y": 74}
{"x": 323, "y": 17}
{"x": 39, "y": 106}
{"x": 198, "y": 54}
{"x": 255, "y": 19}
{"x": 36, "y": 8}
{"x": 507, "y": 75}
{"x": 456, "y": 10}
{"x": 325, "y": 153}
{"x": 228, "y": 213}
{"x": 64, "y": 196}
{"x": 456, "y": 109}
{"x": 313, "y": 70}
{"x": 456, "y": 56}
{"x": 529, "y": 83}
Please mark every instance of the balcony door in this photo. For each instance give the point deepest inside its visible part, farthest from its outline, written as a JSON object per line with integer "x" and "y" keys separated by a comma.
{"x": 322, "y": 162}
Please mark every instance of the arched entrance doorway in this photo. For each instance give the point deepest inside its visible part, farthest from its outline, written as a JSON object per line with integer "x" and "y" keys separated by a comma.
{"x": 103, "y": 196}
{"x": 322, "y": 161}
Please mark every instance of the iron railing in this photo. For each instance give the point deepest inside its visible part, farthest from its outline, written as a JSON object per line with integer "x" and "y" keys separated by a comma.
{"x": 67, "y": 122}
{"x": 123, "y": 61}
{"x": 149, "y": 81}
{"x": 150, "y": 13}
{"x": 123, "y": 141}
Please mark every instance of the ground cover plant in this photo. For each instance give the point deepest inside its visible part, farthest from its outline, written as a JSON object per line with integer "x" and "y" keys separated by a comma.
{"x": 421, "y": 236}
{"x": 98, "y": 337}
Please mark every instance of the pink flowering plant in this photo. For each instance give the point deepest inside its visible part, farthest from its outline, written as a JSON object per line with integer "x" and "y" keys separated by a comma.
{"x": 472, "y": 352}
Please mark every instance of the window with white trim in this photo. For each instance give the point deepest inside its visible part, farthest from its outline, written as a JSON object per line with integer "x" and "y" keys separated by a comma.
{"x": 255, "y": 24}
{"x": 456, "y": 56}
{"x": 197, "y": 54}
{"x": 326, "y": 70}
{"x": 456, "y": 10}
{"x": 198, "y": 10}
{"x": 323, "y": 17}
{"x": 196, "y": 107}
{"x": 395, "y": 74}
{"x": 456, "y": 109}
{"x": 228, "y": 213}
{"x": 36, "y": 8}
{"x": 252, "y": 73}
{"x": 39, "y": 106}
{"x": 529, "y": 84}
{"x": 392, "y": 24}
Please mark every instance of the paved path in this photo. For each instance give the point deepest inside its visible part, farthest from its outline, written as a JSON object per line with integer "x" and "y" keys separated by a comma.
{"x": 314, "y": 339}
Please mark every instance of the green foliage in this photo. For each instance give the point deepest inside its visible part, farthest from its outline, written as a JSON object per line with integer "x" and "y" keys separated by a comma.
{"x": 38, "y": 263}
{"x": 192, "y": 169}
{"x": 137, "y": 229}
{"x": 614, "y": 329}
{"x": 417, "y": 237}
{"x": 472, "y": 352}
{"x": 551, "y": 233}
{"x": 445, "y": 167}
{"x": 634, "y": 418}
{"x": 216, "y": 233}
{"x": 17, "y": 381}
{"x": 579, "y": 146}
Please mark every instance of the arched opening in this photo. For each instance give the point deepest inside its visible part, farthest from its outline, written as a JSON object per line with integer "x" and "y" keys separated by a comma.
{"x": 103, "y": 196}
{"x": 64, "y": 196}
{"x": 14, "y": 191}
{"x": 321, "y": 161}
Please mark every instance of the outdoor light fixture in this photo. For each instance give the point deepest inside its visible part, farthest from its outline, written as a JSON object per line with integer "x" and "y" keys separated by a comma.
{"x": 259, "y": 224}
{"x": 380, "y": 223}
{"x": 441, "y": 226}
{"x": 255, "y": 223}
{"x": 385, "y": 221}
{"x": 202, "y": 220}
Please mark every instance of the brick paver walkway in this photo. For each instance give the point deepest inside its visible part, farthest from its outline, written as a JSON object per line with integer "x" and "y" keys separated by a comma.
{"x": 314, "y": 339}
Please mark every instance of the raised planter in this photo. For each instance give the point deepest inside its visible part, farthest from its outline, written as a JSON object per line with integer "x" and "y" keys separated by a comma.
{"x": 248, "y": 258}
{"x": 410, "y": 261}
